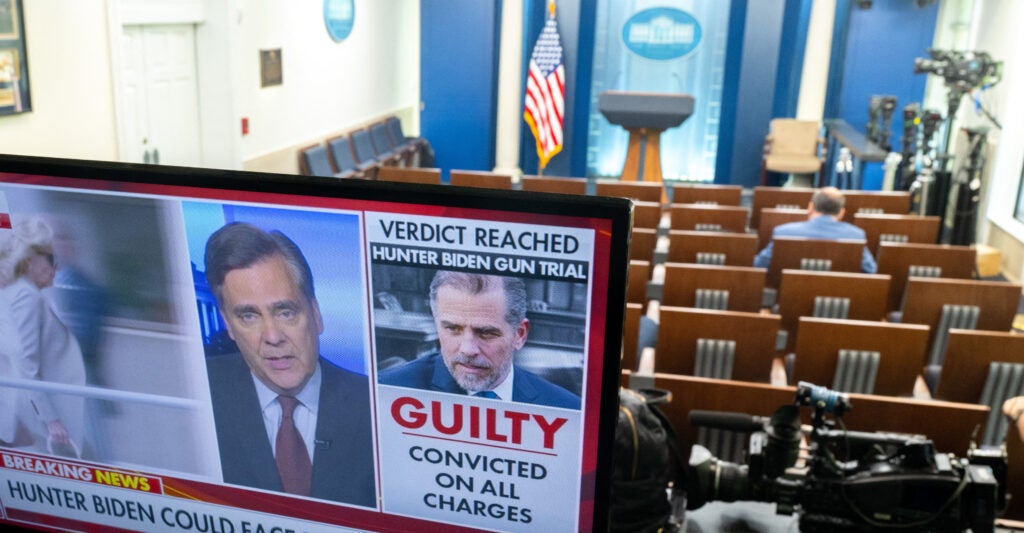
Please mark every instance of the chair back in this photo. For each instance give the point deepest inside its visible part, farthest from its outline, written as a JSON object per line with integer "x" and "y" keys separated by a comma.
{"x": 777, "y": 198}
{"x": 315, "y": 161}
{"x": 362, "y": 146}
{"x": 821, "y": 341}
{"x": 794, "y": 137}
{"x": 555, "y": 185}
{"x": 738, "y": 249}
{"x": 341, "y": 152}
{"x": 707, "y": 194}
{"x": 486, "y": 180}
{"x": 430, "y": 176}
{"x": 381, "y": 139}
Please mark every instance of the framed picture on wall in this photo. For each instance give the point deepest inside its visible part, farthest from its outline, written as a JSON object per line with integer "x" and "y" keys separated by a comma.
{"x": 14, "y": 87}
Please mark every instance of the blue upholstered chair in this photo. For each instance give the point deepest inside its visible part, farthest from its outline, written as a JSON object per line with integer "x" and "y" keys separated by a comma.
{"x": 340, "y": 148}
{"x": 315, "y": 161}
{"x": 387, "y": 152}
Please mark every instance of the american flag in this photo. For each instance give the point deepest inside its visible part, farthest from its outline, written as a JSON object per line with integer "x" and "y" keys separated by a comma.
{"x": 545, "y": 91}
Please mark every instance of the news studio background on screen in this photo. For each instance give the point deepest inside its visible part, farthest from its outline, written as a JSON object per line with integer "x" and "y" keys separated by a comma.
{"x": 144, "y": 341}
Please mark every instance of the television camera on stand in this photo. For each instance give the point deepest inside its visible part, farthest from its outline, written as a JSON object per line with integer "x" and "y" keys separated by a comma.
{"x": 963, "y": 72}
{"x": 849, "y": 480}
{"x": 880, "y": 111}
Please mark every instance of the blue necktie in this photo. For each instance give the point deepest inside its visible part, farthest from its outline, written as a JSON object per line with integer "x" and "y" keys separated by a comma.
{"x": 486, "y": 394}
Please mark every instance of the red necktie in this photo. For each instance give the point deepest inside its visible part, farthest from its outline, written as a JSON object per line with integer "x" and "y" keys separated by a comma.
{"x": 292, "y": 458}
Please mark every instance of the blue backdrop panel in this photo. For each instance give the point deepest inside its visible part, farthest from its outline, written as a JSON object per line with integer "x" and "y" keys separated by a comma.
{"x": 667, "y": 53}
{"x": 458, "y": 81}
{"x": 881, "y": 44}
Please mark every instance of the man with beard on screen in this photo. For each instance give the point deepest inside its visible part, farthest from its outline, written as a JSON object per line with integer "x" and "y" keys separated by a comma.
{"x": 481, "y": 323}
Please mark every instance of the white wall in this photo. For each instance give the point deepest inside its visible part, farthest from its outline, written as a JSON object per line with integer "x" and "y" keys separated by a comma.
{"x": 327, "y": 86}
{"x": 997, "y": 31}
{"x": 69, "y": 72}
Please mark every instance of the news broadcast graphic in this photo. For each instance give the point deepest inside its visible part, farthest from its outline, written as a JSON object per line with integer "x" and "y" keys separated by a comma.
{"x": 510, "y": 462}
{"x": 232, "y": 352}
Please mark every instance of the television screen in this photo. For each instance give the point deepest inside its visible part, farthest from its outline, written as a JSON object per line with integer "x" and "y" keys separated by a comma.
{"x": 229, "y": 352}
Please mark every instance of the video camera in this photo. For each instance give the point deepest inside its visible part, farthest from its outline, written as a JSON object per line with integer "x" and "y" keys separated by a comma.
{"x": 850, "y": 480}
{"x": 971, "y": 69}
{"x": 962, "y": 71}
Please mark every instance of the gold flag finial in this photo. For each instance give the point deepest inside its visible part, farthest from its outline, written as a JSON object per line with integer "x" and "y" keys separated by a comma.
{"x": 551, "y": 7}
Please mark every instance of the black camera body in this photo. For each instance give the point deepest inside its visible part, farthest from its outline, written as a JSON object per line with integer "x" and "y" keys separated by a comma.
{"x": 850, "y": 481}
{"x": 968, "y": 69}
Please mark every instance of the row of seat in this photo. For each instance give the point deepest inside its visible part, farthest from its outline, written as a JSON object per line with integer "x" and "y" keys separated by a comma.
{"x": 362, "y": 152}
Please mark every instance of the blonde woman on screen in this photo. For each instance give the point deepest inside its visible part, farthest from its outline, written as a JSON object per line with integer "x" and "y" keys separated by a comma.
{"x": 43, "y": 347}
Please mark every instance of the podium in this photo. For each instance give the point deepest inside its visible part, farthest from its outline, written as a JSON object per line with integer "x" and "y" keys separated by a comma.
{"x": 645, "y": 116}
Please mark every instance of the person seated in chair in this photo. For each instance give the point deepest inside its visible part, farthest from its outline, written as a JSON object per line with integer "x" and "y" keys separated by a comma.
{"x": 824, "y": 214}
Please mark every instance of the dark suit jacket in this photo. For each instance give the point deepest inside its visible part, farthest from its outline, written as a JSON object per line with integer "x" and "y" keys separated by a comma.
{"x": 429, "y": 373}
{"x": 343, "y": 454}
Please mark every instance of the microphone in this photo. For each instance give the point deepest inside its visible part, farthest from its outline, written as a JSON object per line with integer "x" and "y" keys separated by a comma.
{"x": 322, "y": 444}
{"x": 727, "y": 420}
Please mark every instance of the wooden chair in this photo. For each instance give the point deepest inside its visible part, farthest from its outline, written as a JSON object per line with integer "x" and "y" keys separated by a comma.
{"x": 315, "y": 161}
{"x": 723, "y": 344}
{"x": 842, "y": 295}
{"x": 430, "y": 176}
{"x": 631, "y": 335}
{"x": 771, "y": 217}
{"x": 859, "y": 355}
{"x": 553, "y": 185}
{"x": 646, "y": 215}
{"x": 985, "y": 367}
{"x": 644, "y": 191}
{"x": 1014, "y": 480}
{"x": 841, "y": 255}
{"x": 733, "y": 249}
{"x": 777, "y": 198}
{"x": 936, "y": 260}
{"x": 344, "y": 159}
{"x": 897, "y": 228}
{"x": 720, "y": 218}
{"x": 793, "y": 146}
{"x": 948, "y": 424}
{"x": 692, "y": 285}
{"x": 642, "y": 244}
{"x": 638, "y": 278}
{"x": 707, "y": 194}
{"x": 876, "y": 202}
{"x": 486, "y": 180}
{"x": 944, "y": 304}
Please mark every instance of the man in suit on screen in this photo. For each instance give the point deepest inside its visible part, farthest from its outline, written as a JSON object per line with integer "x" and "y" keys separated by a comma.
{"x": 287, "y": 419}
{"x": 481, "y": 323}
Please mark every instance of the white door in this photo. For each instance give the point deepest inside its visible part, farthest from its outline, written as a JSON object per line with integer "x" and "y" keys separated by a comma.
{"x": 160, "y": 97}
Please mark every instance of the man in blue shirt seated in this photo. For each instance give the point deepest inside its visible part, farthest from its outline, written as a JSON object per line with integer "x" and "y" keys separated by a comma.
{"x": 824, "y": 212}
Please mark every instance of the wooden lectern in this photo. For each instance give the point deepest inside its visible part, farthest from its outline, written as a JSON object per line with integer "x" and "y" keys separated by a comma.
{"x": 645, "y": 116}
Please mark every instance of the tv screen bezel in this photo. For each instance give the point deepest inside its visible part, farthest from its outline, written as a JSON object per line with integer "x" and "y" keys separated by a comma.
{"x": 617, "y": 211}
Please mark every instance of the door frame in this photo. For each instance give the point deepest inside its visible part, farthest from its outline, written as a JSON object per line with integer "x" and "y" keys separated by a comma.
{"x": 220, "y": 139}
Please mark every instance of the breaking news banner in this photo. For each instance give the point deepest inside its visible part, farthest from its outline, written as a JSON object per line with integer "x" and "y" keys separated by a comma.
{"x": 480, "y": 331}
{"x": 77, "y": 496}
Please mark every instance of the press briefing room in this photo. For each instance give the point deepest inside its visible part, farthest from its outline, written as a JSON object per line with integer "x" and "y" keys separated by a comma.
{"x": 511, "y": 265}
